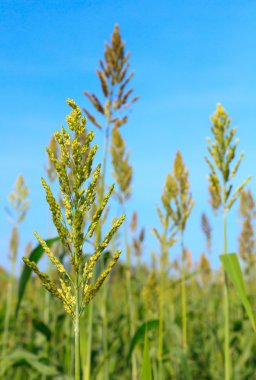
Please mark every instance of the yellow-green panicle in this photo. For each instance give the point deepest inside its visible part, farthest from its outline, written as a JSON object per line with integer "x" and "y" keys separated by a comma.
{"x": 73, "y": 167}
{"x": 222, "y": 150}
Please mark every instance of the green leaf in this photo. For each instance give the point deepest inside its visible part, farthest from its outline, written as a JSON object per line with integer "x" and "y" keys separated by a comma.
{"x": 23, "y": 357}
{"x": 232, "y": 267}
{"x": 146, "y": 373}
{"x": 42, "y": 328}
{"x": 140, "y": 333}
{"x": 35, "y": 256}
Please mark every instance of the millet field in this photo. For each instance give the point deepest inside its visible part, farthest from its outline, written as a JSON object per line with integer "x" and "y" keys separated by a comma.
{"x": 99, "y": 296}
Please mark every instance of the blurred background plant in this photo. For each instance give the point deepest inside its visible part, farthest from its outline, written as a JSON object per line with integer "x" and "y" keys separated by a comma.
{"x": 17, "y": 210}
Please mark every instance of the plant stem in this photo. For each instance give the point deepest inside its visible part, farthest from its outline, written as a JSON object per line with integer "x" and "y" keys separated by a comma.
{"x": 8, "y": 308}
{"x": 89, "y": 342}
{"x": 226, "y": 304}
{"x": 129, "y": 297}
{"x": 7, "y": 319}
{"x": 183, "y": 296}
{"x": 104, "y": 313}
{"x": 77, "y": 332}
{"x": 47, "y": 314}
{"x": 161, "y": 308}
{"x": 105, "y": 330}
{"x": 105, "y": 154}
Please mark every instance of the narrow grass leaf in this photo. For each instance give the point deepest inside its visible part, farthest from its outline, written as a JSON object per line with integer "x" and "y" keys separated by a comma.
{"x": 146, "y": 373}
{"x": 232, "y": 267}
{"x": 140, "y": 334}
{"x": 41, "y": 327}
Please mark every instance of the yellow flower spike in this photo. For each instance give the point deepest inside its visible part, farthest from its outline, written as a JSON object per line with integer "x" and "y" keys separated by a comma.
{"x": 88, "y": 167}
{"x": 91, "y": 291}
{"x": 57, "y": 217}
{"x": 19, "y": 199}
{"x": 223, "y": 152}
{"x": 88, "y": 140}
{"x": 76, "y": 146}
{"x": 68, "y": 209}
{"x": 120, "y": 162}
{"x": 61, "y": 173}
{"x": 90, "y": 265}
{"x": 51, "y": 256}
{"x": 67, "y": 292}
{"x": 65, "y": 154}
{"x": 46, "y": 282}
{"x": 74, "y": 120}
{"x": 97, "y": 216}
{"x": 90, "y": 195}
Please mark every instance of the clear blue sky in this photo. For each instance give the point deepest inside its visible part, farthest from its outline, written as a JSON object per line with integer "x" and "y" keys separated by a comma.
{"x": 188, "y": 55}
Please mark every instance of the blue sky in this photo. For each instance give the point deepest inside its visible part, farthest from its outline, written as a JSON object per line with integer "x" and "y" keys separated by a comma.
{"x": 188, "y": 55}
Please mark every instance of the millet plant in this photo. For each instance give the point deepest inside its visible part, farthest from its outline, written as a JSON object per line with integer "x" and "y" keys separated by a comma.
{"x": 222, "y": 152}
{"x": 17, "y": 211}
{"x": 112, "y": 113}
{"x": 76, "y": 288}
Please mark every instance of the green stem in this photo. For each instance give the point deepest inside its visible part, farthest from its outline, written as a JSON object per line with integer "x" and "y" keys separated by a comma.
{"x": 47, "y": 315}
{"x": 161, "y": 309}
{"x": 46, "y": 309}
{"x": 183, "y": 296}
{"x": 77, "y": 332}
{"x": 226, "y": 304}
{"x": 105, "y": 330}
{"x": 104, "y": 165}
{"x": 89, "y": 342}
{"x": 7, "y": 320}
{"x": 104, "y": 295}
{"x": 8, "y": 312}
{"x": 129, "y": 297}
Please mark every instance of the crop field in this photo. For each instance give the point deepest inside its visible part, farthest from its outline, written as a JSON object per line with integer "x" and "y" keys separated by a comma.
{"x": 85, "y": 302}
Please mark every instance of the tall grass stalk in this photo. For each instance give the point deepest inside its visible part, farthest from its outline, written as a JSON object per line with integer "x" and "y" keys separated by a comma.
{"x": 226, "y": 304}
{"x": 77, "y": 328}
{"x": 166, "y": 240}
{"x": 123, "y": 176}
{"x": 222, "y": 151}
{"x": 131, "y": 315}
{"x": 9, "y": 298}
{"x": 164, "y": 255}
{"x": 87, "y": 365}
{"x": 19, "y": 204}
{"x": 114, "y": 78}
{"x": 177, "y": 206}
{"x": 183, "y": 294}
